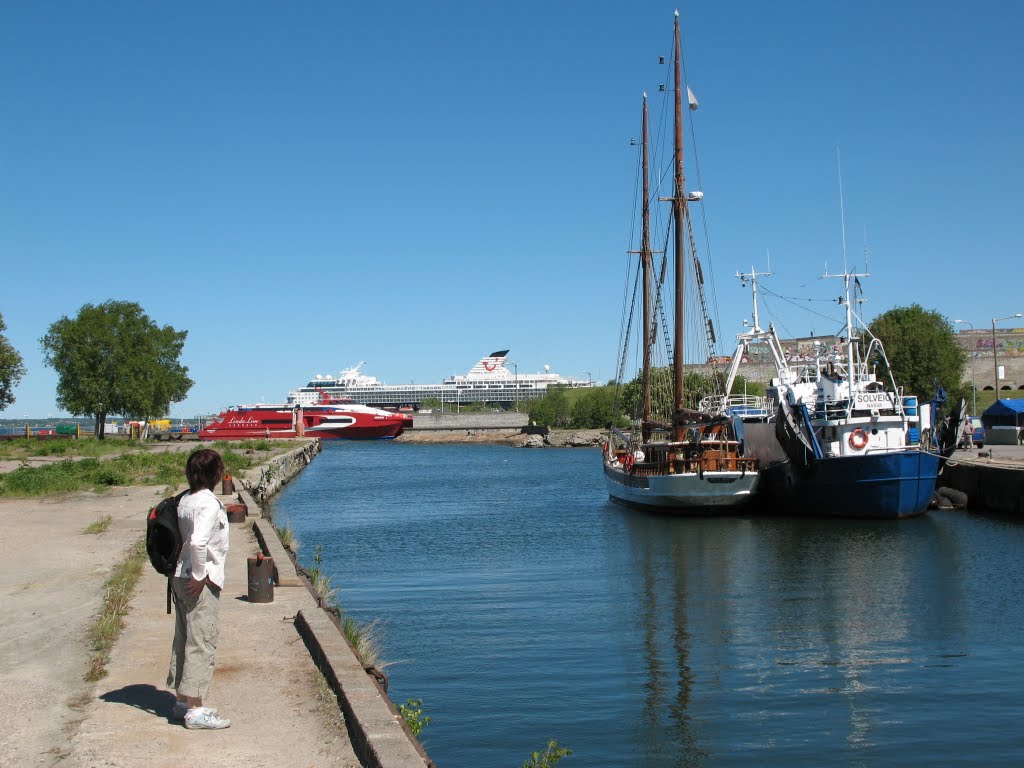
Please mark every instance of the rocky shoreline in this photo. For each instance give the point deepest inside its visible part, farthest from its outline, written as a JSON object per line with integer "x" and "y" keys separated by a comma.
{"x": 556, "y": 438}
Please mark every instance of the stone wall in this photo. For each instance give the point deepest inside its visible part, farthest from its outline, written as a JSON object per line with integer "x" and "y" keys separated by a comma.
{"x": 472, "y": 421}
{"x": 264, "y": 482}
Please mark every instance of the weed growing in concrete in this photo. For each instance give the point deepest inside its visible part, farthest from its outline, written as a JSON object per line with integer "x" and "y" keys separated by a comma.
{"x": 320, "y": 581}
{"x": 287, "y": 536}
{"x": 412, "y": 713}
{"x": 548, "y": 757}
{"x": 99, "y": 526}
{"x": 117, "y": 594}
{"x": 367, "y": 639}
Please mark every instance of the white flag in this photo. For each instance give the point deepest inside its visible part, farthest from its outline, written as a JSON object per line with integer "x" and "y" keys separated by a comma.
{"x": 691, "y": 98}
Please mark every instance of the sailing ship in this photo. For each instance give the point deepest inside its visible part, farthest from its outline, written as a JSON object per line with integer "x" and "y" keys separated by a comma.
{"x": 674, "y": 457}
{"x": 852, "y": 439}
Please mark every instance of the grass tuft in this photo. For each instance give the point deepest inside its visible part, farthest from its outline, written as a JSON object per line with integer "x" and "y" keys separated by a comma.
{"x": 100, "y": 526}
{"x": 367, "y": 639}
{"x": 117, "y": 594}
{"x": 287, "y": 536}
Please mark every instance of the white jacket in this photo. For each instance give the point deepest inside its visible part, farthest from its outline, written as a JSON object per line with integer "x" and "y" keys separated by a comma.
{"x": 203, "y": 523}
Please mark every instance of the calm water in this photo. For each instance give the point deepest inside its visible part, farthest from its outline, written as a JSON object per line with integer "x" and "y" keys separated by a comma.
{"x": 522, "y": 605}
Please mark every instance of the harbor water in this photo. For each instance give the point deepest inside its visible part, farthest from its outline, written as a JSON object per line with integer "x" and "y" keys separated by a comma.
{"x": 521, "y": 605}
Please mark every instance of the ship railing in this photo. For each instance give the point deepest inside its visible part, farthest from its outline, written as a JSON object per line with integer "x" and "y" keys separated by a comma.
{"x": 737, "y": 405}
{"x": 686, "y": 457}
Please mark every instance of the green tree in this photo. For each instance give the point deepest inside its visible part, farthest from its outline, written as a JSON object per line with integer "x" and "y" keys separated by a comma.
{"x": 922, "y": 350}
{"x": 430, "y": 402}
{"x": 743, "y": 385}
{"x": 552, "y": 410}
{"x": 594, "y": 408}
{"x": 112, "y": 359}
{"x": 696, "y": 386}
{"x": 11, "y": 368}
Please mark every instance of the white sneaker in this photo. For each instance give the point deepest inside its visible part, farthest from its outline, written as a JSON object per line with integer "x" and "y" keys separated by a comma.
{"x": 181, "y": 709}
{"x": 205, "y": 719}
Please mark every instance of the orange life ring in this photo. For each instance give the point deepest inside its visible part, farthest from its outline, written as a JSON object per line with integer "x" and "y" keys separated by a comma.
{"x": 858, "y": 439}
{"x": 627, "y": 461}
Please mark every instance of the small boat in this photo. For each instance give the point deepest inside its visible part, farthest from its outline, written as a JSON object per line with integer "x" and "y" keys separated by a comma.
{"x": 673, "y": 456}
{"x": 330, "y": 419}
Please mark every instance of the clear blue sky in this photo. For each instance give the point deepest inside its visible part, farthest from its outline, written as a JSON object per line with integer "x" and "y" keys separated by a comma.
{"x": 302, "y": 186}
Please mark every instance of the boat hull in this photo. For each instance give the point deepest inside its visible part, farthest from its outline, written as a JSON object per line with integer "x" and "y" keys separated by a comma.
{"x": 328, "y": 422}
{"x": 383, "y": 431}
{"x": 886, "y": 486}
{"x": 685, "y": 494}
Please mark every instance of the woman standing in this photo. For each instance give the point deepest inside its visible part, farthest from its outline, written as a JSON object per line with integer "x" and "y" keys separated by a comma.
{"x": 196, "y": 587}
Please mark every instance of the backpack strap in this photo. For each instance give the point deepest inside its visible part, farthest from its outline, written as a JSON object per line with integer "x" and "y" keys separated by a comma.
{"x": 168, "y": 595}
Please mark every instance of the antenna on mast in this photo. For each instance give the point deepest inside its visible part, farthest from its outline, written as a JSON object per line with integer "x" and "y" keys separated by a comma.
{"x": 866, "y": 248}
{"x": 842, "y": 208}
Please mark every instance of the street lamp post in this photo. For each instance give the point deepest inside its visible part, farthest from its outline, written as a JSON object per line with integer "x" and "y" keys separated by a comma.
{"x": 974, "y": 387}
{"x": 515, "y": 370}
{"x": 995, "y": 353}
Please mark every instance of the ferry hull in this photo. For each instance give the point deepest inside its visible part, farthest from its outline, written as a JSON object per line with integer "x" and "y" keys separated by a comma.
{"x": 244, "y": 433}
{"x": 686, "y": 494}
{"x": 884, "y": 486}
{"x": 354, "y": 432}
{"x": 327, "y": 421}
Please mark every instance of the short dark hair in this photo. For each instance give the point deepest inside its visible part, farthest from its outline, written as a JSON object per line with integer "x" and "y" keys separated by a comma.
{"x": 203, "y": 469}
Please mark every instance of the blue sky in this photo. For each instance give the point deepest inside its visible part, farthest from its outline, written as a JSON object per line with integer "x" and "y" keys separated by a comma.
{"x": 414, "y": 185}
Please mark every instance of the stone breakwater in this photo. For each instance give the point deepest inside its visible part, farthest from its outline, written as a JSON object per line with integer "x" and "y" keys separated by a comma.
{"x": 556, "y": 438}
{"x": 264, "y": 482}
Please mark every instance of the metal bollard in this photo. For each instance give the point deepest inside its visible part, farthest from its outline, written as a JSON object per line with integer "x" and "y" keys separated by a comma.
{"x": 261, "y": 579}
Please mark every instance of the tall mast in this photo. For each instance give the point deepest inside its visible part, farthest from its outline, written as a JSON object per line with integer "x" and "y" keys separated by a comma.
{"x": 678, "y": 219}
{"x": 645, "y": 260}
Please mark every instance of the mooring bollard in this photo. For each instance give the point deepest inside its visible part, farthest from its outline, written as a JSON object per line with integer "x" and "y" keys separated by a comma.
{"x": 261, "y": 579}
{"x": 227, "y": 485}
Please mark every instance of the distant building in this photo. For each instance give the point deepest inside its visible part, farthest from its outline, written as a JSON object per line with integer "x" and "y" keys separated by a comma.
{"x": 1009, "y": 346}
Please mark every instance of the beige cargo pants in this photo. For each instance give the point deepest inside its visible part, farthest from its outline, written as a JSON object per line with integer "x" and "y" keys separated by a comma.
{"x": 196, "y": 631}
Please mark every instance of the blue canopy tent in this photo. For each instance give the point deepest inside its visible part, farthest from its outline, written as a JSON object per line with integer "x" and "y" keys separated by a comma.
{"x": 1003, "y": 421}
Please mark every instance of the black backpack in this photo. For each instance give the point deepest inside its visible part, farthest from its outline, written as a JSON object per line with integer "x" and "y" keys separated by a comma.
{"x": 163, "y": 539}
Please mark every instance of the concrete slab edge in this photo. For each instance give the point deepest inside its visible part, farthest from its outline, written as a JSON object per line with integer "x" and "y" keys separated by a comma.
{"x": 378, "y": 734}
{"x": 376, "y": 731}
{"x": 285, "y": 574}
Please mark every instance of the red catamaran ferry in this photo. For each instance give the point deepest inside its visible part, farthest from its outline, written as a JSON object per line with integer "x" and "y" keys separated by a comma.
{"x": 330, "y": 419}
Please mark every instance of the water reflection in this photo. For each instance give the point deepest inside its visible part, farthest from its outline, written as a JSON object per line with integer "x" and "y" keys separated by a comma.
{"x": 783, "y": 622}
{"x": 530, "y": 607}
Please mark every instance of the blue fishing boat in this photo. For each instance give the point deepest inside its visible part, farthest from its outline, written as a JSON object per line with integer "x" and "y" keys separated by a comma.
{"x": 851, "y": 439}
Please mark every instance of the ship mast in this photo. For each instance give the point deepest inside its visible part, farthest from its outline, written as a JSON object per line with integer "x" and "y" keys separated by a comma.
{"x": 678, "y": 219}
{"x": 646, "y": 259}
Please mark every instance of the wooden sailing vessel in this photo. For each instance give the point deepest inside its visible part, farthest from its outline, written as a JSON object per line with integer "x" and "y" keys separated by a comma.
{"x": 674, "y": 457}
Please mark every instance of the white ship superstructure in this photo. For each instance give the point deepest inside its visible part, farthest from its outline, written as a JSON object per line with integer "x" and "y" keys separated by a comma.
{"x": 489, "y": 381}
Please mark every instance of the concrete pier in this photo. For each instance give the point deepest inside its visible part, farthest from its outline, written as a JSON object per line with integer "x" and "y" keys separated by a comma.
{"x": 992, "y": 478}
{"x": 287, "y": 679}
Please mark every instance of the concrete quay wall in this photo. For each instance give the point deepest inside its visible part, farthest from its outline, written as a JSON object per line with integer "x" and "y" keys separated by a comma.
{"x": 990, "y": 486}
{"x": 376, "y": 729}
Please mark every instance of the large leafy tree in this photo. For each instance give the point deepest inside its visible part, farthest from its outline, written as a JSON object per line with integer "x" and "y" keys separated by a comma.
{"x": 11, "y": 368}
{"x": 922, "y": 349}
{"x": 552, "y": 410}
{"x": 113, "y": 360}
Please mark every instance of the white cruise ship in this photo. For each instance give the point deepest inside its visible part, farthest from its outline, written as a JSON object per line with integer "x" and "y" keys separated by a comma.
{"x": 488, "y": 381}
